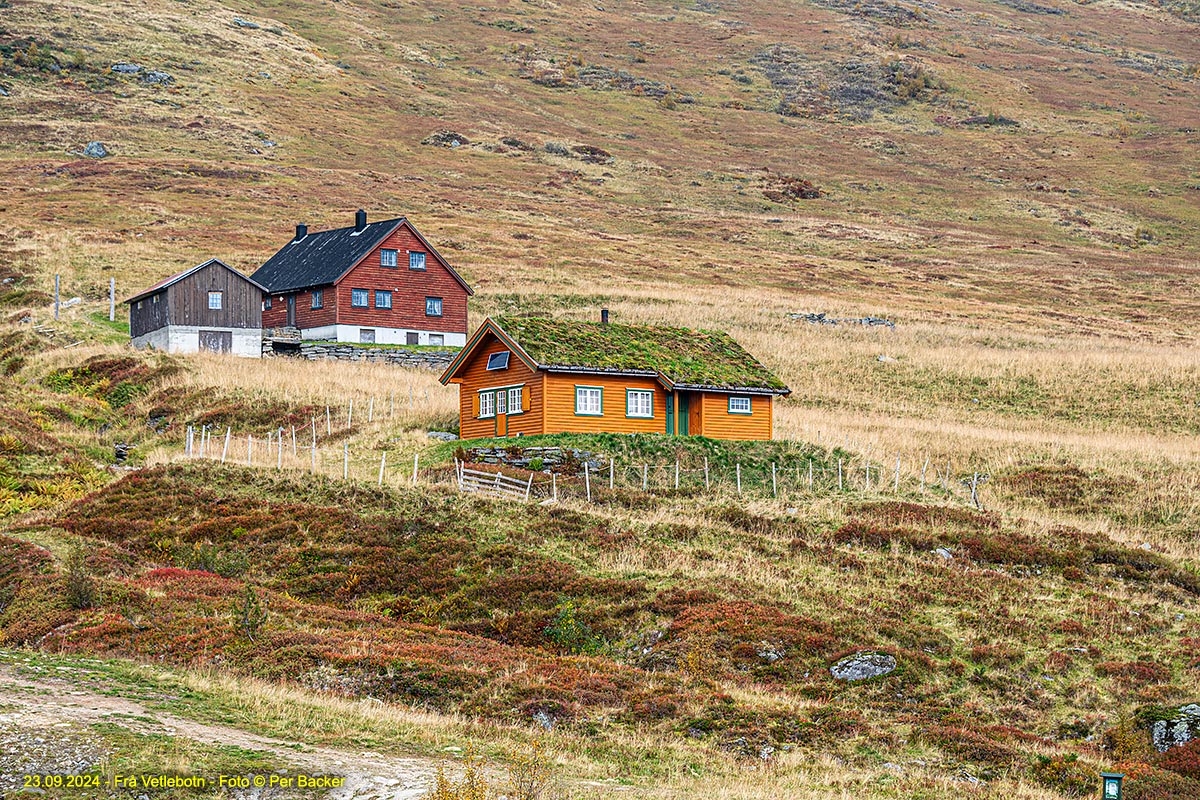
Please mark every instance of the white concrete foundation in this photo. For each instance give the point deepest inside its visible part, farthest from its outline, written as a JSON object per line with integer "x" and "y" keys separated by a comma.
{"x": 247, "y": 342}
{"x": 353, "y": 335}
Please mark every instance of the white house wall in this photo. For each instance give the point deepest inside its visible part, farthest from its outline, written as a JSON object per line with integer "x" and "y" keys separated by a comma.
{"x": 247, "y": 342}
{"x": 353, "y": 334}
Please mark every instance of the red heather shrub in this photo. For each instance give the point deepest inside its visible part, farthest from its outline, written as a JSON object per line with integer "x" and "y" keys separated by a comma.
{"x": 1064, "y": 774}
{"x": 1144, "y": 782}
{"x": 996, "y": 655}
{"x": 1184, "y": 760}
{"x": 990, "y": 749}
{"x": 1134, "y": 672}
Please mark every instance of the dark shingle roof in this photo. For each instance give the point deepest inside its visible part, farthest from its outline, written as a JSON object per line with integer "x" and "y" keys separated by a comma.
{"x": 688, "y": 358}
{"x": 321, "y": 258}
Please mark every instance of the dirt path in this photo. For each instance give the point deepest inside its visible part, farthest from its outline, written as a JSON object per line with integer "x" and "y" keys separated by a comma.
{"x": 37, "y": 713}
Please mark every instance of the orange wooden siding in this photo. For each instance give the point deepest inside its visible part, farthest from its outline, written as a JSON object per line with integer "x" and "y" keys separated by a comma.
{"x": 717, "y": 423}
{"x": 475, "y": 376}
{"x": 560, "y": 405}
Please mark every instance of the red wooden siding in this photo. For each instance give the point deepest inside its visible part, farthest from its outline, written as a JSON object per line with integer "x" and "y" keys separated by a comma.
{"x": 409, "y": 288}
{"x": 306, "y": 315}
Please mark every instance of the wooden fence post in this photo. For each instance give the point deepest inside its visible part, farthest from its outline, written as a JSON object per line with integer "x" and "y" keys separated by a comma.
{"x": 225, "y": 450}
{"x": 249, "y": 450}
{"x": 774, "y": 485}
{"x": 739, "y": 477}
{"x": 924, "y": 469}
{"x": 611, "y": 468}
{"x": 294, "y": 441}
{"x": 529, "y": 487}
{"x": 896, "y": 485}
{"x": 706, "y": 483}
{"x": 56, "y": 297}
{"x": 554, "y": 485}
{"x": 416, "y": 459}
{"x": 112, "y": 299}
{"x": 187, "y": 446}
{"x": 279, "y": 458}
{"x": 587, "y": 481}
{"x": 346, "y": 461}
{"x": 677, "y": 473}
{"x": 382, "y": 463}
{"x": 350, "y": 414}
{"x": 839, "y": 475}
{"x": 810, "y": 477}
{"x": 328, "y": 423}
{"x": 645, "y": 477}
{"x": 867, "y": 470}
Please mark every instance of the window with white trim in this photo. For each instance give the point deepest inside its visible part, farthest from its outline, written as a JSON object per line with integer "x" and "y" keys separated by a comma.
{"x": 266, "y": 304}
{"x": 514, "y": 400}
{"x": 389, "y": 258}
{"x": 416, "y": 261}
{"x": 383, "y": 299}
{"x": 639, "y": 403}
{"x": 214, "y": 301}
{"x": 739, "y": 404}
{"x": 433, "y": 306}
{"x": 487, "y": 404}
{"x": 359, "y": 298}
{"x": 589, "y": 401}
{"x": 318, "y": 298}
{"x": 501, "y": 402}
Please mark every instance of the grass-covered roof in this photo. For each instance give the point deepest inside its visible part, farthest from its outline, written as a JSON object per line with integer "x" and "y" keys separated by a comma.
{"x": 687, "y": 357}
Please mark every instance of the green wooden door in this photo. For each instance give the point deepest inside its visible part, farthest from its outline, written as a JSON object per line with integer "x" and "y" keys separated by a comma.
{"x": 670, "y": 415}
{"x": 683, "y": 414}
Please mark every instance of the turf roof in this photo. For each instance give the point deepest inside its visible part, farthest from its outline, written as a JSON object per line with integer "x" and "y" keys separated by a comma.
{"x": 697, "y": 358}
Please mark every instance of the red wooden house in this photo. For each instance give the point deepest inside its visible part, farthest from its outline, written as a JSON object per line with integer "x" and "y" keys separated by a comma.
{"x": 381, "y": 282}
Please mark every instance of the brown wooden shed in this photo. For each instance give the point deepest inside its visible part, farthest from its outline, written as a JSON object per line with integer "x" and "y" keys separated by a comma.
{"x": 210, "y": 306}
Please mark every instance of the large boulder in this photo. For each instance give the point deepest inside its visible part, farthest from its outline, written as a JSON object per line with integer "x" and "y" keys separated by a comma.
{"x": 1181, "y": 727}
{"x": 95, "y": 150}
{"x": 861, "y": 666}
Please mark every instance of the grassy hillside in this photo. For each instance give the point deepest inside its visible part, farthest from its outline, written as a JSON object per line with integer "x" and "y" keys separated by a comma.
{"x": 1014, "y": 184}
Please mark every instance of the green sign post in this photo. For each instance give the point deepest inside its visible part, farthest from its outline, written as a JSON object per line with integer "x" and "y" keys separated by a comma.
{"x": 1112, "y": 785}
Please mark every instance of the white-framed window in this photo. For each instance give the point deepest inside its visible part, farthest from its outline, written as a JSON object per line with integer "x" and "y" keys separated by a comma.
{"x": 487, "y": 404}
{"x": 589, "y": 401}
{"x": 318, "y": 298}
{"x": 433, "y": 306}
{"x": 416, "y": 260}
{"x": 139, "y": 305}
{"x": 267, "y": 303}
{"x": 639, "y": 403}
{"x": 389, "y": 258}
{"x": 739, "y": 404}
{"x": 498, "y": 360}
{"x": 155, "y": 298}
{"x": 359, "y": 297}
{"x": 514, "y": 400}
{"x": 501, "y": 402}
{"x": 437, "y": 339}
{"x": 214, "y": 301}
{"x": 383, "y": 299}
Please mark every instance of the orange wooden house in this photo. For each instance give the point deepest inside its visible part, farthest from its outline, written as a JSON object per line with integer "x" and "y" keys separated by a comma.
{"x": 520, "y": 376}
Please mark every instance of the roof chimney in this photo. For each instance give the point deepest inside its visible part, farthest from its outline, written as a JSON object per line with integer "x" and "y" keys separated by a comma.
{"x": 604, "y": 316}
{"x": 360, "y": 220}
{"x": 301, "y": 231}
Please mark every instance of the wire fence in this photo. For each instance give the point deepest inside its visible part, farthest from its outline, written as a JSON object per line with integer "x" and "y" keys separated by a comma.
{"x": 308, "y": 448}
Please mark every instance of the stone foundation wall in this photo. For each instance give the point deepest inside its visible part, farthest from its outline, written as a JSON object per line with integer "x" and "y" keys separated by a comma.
{"x": 315, "y": 351}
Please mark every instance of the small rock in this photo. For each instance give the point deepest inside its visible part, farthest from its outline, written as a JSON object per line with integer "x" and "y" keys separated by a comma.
{"x": 770, "y": 651}
{"x": 1176, "y": 732}
{"x": 886, "y": 359}
{"x": 125, "y": 68}
{"x": 861, "y": 666}
{"x": 442, "y": 436}
{"x": 893, "y": 767}
{"x": 74, "y": 301}
{"x": 445, "y": 138}
{"x": 158, "y": 78}
{"x": 3, "y": 92}
{"x": 544, "y": 718}
{"x": 1145, "y": 546}
{"x": 245, "y": 23}
{"x": 95, "y": 150}
{"x": 944, "y": 553}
